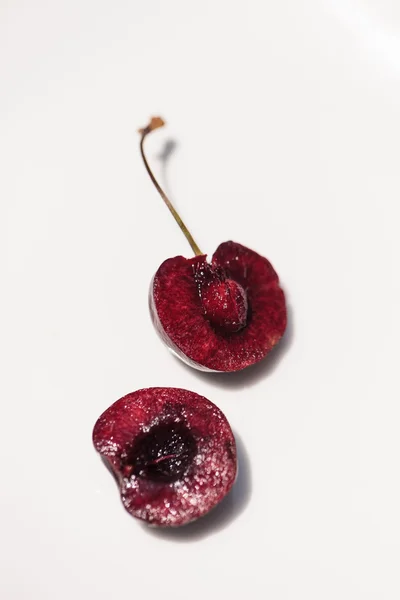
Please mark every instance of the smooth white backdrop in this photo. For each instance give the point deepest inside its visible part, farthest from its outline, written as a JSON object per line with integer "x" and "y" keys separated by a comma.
{"x": 284, "y": 117}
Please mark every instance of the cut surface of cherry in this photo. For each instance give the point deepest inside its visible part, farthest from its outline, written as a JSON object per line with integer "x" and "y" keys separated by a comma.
{"x": 172, "y": 452}
{"x": 223, "y": 315}
{"x": 256, "y": 310}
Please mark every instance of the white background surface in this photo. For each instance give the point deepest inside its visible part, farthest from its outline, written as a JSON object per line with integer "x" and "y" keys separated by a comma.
{"x": 286, "y": 122}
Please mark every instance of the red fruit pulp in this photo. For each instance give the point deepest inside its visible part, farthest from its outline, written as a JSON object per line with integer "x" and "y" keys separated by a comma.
{"x": 223, "y": 316}
{"x": 172, "y": 451}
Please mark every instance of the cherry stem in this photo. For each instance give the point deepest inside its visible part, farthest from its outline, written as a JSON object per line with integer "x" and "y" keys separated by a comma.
{"x": 155, "y": 123}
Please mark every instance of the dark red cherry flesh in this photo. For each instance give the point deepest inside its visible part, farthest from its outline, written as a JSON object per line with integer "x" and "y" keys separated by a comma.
{"x": 223, "y": 315}
{"x": 179, "y": 315}
{"x": 172, "y": 451}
